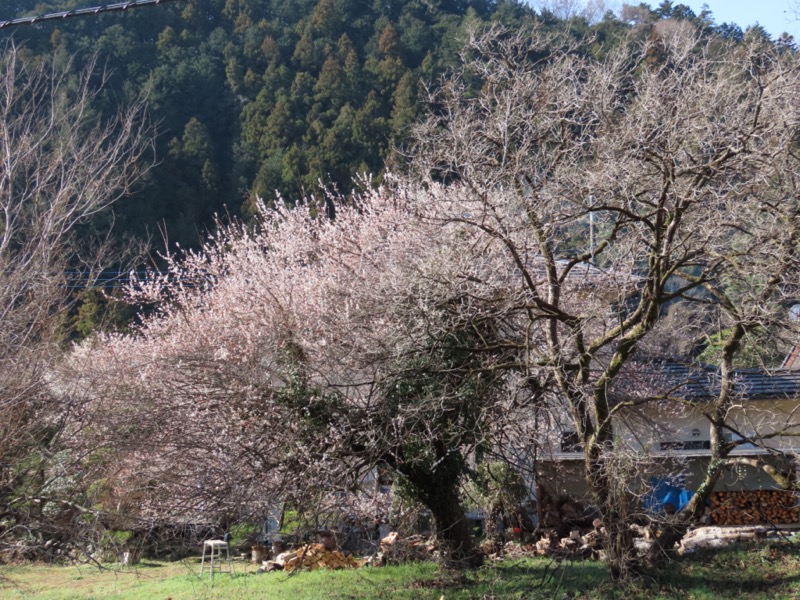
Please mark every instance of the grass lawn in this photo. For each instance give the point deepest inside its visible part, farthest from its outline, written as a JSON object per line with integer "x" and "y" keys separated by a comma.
{"x": 765, "y": 571}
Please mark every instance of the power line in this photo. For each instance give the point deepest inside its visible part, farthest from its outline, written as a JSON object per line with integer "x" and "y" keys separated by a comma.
{"x": 82, "y": 12}
{"x": 121, "y": 279}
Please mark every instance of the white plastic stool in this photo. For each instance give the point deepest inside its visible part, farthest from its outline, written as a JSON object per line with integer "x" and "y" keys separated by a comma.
{"x": 215, "y": 548}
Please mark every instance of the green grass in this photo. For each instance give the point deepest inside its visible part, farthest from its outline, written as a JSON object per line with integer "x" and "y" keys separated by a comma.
{"x": 766, "y": 571}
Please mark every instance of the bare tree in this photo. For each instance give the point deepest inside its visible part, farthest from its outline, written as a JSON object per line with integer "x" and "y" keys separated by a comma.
{"x": 60, "y": 164}
{"x": 665, "y": 173}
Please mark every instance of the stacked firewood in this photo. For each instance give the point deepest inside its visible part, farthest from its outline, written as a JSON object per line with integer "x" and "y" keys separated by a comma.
{"x": 754, "y": 507}
{"x": 315, "y": 556}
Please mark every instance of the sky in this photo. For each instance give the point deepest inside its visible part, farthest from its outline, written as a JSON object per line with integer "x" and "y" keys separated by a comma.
{"x": 776, "y": 16}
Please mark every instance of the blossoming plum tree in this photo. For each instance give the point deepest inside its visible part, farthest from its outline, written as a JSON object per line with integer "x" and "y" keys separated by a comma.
{"x": 290, "y": 360}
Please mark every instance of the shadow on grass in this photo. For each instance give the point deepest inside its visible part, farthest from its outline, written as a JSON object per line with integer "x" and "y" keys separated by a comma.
{"x": 757, "y": 570}
{"x": 149, "y": 565}
{"x": 725, "y": 587}
{"x": 533, "y": 578}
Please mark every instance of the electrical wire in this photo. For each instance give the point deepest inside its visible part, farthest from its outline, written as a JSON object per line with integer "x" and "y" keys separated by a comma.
{"x": 120, "y": 279}
{"x": 109, "y": 280}
{"x": 82, "y": 12}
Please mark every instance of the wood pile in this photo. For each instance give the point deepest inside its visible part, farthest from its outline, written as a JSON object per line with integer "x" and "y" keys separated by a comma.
{"x": 754, "y": 507}
{"x": 577, "y": 546}
{"x": 315, "y": 556}
{"x": 413, "y": 548}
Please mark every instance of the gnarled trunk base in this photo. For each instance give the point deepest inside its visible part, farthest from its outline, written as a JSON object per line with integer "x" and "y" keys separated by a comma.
{"x": 440, "y": 496}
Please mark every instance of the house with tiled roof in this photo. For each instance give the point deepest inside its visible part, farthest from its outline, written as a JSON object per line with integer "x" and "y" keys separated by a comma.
{"x": 667, "y": 427}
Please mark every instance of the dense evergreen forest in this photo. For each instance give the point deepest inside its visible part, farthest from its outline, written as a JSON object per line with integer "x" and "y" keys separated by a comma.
{"x": 254, "y": 97}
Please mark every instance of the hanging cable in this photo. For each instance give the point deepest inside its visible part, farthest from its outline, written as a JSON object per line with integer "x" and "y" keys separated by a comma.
{"x": 83, "y": 12}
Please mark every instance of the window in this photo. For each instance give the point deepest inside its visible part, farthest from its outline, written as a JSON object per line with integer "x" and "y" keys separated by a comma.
{"x": 686, "y": 445}
{"x": 570, "y": 442}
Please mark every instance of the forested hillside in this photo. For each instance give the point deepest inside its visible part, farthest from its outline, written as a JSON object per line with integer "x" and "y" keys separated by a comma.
{"x": 254, "y": 96}
{"x": 257, "y": 96}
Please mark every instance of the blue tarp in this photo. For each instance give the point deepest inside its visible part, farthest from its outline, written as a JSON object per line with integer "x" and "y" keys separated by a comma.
{"x": 666, "y": 492}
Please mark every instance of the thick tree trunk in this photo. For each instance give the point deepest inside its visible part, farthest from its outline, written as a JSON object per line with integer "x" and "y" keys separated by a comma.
{"x": 439, "y": 493}
{"x": 618, "y": 543}
{"x": 452, "y": 531}
{"x": 675, "y": 531}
